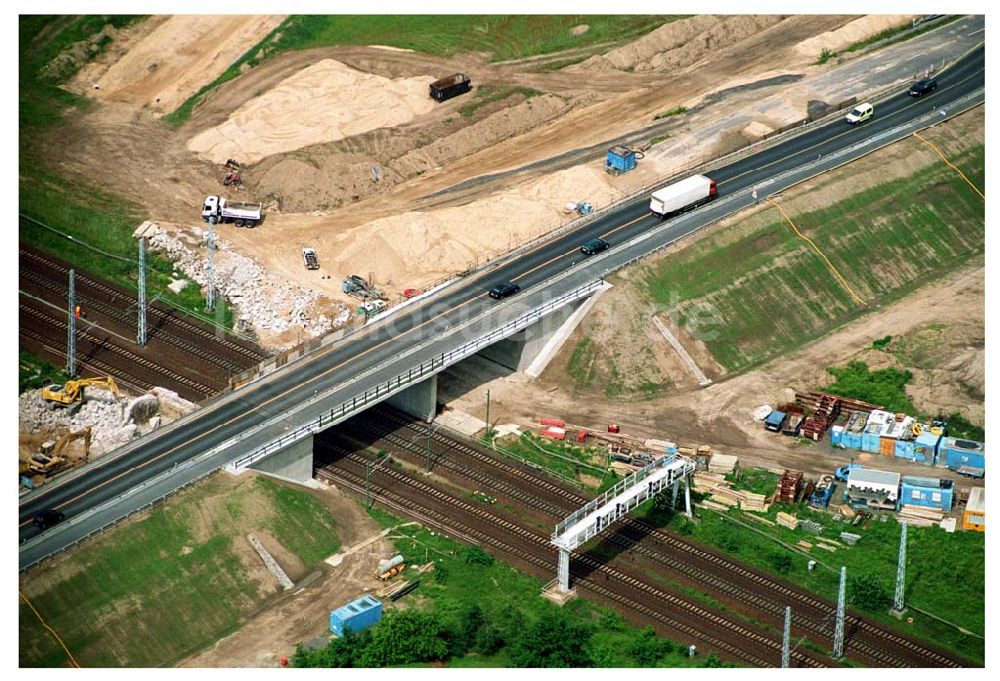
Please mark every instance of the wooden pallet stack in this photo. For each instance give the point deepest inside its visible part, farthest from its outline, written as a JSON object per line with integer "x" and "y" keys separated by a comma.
{"x": 723, "y": 463}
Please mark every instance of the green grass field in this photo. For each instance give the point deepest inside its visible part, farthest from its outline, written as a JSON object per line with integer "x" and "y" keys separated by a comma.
{"x": 945, "y": 572}
{"x": 771, "y": 293}
{"x": 155, "y": 591}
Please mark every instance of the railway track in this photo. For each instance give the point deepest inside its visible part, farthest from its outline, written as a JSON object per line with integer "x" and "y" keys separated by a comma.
{"x": 159, "y": 320}
{"x": 865, "y": 641}
{"x": 691, "y": 620}
{"x": 91, "y": 347}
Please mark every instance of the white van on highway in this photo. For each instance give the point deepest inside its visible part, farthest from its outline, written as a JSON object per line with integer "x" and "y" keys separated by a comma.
{"x": 860, "y": 114}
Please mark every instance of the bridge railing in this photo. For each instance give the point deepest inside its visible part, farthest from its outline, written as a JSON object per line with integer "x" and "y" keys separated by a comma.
{"x": 416, "y": 374}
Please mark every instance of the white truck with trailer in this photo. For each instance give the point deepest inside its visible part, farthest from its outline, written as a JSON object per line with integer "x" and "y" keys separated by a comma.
{"x": 216, "y": 209}
{"x": 682, "y": 195}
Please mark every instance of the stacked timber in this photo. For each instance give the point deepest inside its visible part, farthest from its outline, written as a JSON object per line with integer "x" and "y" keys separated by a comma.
{"x": 787, "y": 520}
{"x": 921, "y": 516}
{"x": 723, "y": 463}
{"x": 722, "y": 493}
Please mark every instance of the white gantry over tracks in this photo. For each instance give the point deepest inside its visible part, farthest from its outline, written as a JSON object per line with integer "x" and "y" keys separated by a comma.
{"x": 589, "y": 521}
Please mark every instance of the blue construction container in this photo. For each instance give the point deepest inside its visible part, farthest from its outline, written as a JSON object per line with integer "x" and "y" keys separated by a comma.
{"x": 925, "y": 448}
{"x": 904, "y": 449}
{"x": 871, "y": 443}
{"x": 620, "y": 160}
{"x": 356, "y": 616}
{"x": 837, "y": 436}
{"x": 964, "y": 456}
{"x": 852, "y": 440}
{"x": 931, "y": 492}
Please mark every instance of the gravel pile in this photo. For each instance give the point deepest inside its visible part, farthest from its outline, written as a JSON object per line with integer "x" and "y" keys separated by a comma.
{"x": 260, "y": 298}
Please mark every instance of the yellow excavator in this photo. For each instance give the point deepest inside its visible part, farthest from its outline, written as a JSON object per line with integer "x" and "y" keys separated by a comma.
{"x": 50, "y": 459}
{"x": 72, "y": 392}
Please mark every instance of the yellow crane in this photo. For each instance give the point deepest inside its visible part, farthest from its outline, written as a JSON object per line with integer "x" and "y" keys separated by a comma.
{"x": 72, "y": 391}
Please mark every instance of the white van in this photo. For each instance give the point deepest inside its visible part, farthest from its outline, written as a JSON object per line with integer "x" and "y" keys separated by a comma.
{"x": 860, "y": 113}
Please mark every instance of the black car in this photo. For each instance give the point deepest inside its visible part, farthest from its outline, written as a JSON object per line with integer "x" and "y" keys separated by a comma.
{"x": 922, "y": 87}
{"x": 503, "y": 290}
{"x": 46, "y": 519}
{"x": 594, "y": 246}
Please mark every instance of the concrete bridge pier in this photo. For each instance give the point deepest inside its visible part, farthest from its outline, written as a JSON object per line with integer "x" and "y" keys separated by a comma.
{"x": 294, "y": 462}
{"x": 419, "y": 400}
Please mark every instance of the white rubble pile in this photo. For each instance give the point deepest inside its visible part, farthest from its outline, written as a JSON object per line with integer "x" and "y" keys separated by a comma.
{"x": 262, "y": 299}
{"x": 112, "y": 423}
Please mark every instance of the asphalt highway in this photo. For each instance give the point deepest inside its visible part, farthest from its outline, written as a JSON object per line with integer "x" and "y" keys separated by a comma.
{"x": 383, "y": 341}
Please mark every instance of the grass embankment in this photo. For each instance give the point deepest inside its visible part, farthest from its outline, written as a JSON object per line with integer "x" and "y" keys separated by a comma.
{"x": 155, "y": 591}
{"x": 945, "y": 572}
{"x": 473, "y": 611}
{"x": 566, "y": 460}
{"x": 504, "y": 37}
{"x": 76, "y": 209}
{"x": 770, "y": 293}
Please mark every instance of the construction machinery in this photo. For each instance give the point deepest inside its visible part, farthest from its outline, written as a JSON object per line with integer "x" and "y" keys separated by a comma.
{"x": 359, "y": 287}
{"x": 72, "y": 392}
{"x": 51, "y": 460}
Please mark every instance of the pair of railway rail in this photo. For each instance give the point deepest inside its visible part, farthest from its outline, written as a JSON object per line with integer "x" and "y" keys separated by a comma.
{"x": 755, "y": 594}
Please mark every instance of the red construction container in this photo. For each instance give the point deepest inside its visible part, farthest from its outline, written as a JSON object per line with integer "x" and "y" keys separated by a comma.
{"x": 554, "y": 433}
{"x": 581, "y": 436}
{"x": 558, "y": 423}
{"x": 613, "y": 428}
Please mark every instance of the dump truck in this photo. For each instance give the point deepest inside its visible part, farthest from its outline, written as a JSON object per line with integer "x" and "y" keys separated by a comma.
{"x": 449, "y": 87}
{"x": 217, "y": 209}
{"x": 682, "y": 195}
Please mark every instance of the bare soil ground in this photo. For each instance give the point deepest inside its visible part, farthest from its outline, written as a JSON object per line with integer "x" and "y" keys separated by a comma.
{"x": 317, "y": 135}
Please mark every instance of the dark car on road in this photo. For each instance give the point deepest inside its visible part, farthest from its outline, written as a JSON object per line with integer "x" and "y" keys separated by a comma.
{"x": 594, "y": 246}
{"x": 923, "y": 87}
{"x": 503, "y": 290}
{"x": 46, "y": 519}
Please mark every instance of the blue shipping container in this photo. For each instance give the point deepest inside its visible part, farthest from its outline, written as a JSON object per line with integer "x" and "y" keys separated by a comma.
{"x": 931, "y": 492}
{"x": 871, "y": 443}
{"x": 356, "y": 616}
{"x": 837, "y": 436}
{"x": 925, "y": 448}
{"x": 620, "y": 159}
{"x": 852, "y": 440}
{"x": 904, "y": 449}
{"x": 957, "y": 453}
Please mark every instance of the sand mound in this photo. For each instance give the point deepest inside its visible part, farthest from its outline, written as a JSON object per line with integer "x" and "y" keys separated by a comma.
{"x": 325, "y": 102}
{"x": 847, "y": 35}
{"x": 177, "y": 58}
{"x": 415, "y": 248}
{"x": 681, "y": 43}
